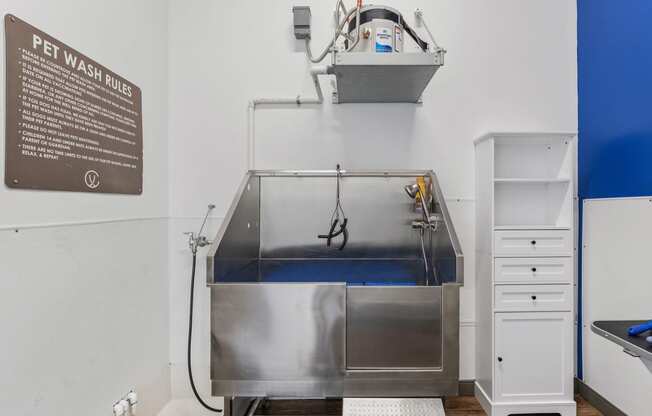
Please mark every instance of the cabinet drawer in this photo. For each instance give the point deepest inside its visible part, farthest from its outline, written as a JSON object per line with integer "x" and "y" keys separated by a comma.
{"x": 533, "y": 270}
{"x": 533, "y": 243}
{"x": 532, "y": 298}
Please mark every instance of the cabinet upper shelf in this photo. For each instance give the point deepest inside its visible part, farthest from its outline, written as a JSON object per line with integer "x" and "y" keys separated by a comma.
{"x": 530, "y": 227}
{"x": 531, "y": 180}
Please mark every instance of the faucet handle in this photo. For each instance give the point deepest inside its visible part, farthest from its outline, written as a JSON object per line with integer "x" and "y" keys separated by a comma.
{"x": 202, "y": 241}
{"x": 192, "y": 241}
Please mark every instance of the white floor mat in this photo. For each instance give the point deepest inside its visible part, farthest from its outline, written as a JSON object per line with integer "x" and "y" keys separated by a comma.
{"x": 392, "y": 407}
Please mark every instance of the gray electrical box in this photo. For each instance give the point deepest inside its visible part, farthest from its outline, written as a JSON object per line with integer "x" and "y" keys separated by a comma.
{"x": 301, "y": 22}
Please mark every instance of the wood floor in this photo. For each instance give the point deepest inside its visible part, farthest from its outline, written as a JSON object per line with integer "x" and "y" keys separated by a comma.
{"x": 455, "y": 406}
{"x": 469, "y": 406}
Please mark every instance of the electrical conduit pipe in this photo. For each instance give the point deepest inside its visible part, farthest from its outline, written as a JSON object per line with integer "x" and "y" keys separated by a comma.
{"x": 298, "y": 100}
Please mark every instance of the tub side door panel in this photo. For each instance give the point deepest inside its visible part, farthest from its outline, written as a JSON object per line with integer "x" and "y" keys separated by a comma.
{"x": 394, "y": 328}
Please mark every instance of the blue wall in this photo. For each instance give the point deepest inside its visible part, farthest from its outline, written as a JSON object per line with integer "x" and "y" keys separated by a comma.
{"x": 615, "y": 97}
{"x": 614, "y": 51}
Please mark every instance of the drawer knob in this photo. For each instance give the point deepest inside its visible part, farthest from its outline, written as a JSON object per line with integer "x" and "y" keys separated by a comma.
{"x": 533, "y": 242}
{"x": 534, "y": 270}
{"x": 500, "y": 359}
{"x": 534, "y": 297}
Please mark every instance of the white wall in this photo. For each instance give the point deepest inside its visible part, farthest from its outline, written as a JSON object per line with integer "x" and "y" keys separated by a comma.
{"x": 511, "y": 66}
{"x": 69, "y": 287}
{"x": 616, "y": 286}
{"x": 84, "y": 318}
{"x": 84, "y": 308}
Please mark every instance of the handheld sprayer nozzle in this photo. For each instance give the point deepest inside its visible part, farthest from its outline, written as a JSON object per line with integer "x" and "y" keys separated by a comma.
{"x": 414, "y": 191}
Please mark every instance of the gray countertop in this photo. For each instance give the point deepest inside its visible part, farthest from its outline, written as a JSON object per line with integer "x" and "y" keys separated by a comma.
{"x": 616, "y": 331}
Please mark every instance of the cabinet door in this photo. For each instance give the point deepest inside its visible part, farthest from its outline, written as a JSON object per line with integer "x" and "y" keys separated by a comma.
{"x": 534, "y": 356}
{"x": 394, "y": 327}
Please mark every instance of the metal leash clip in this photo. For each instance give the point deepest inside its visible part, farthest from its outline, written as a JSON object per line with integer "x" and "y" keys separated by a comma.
{"x": 338, "y": 217}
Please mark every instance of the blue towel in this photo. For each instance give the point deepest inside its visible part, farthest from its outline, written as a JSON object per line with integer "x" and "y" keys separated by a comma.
{"x": 639, "y": 329}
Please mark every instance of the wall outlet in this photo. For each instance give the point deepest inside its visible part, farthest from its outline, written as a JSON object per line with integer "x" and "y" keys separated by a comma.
{"x": 132, "y": 398}
{"x": 126, "y": 406}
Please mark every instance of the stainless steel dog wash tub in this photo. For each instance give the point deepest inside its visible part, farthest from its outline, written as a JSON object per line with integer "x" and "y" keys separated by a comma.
{"x": 376, "y": 315}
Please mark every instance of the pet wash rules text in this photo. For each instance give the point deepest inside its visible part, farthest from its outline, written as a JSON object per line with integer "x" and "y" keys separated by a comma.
{"x": 73, "y": 61}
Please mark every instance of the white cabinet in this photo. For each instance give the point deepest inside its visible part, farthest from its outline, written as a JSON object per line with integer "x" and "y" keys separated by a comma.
{"x": 525, "y": 269}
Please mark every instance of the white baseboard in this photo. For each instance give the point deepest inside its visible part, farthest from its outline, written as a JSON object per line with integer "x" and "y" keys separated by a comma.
{"x": 564, "y": 408}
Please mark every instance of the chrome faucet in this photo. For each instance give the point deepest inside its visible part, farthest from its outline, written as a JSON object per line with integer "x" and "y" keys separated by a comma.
{"x": 198, "y": 240}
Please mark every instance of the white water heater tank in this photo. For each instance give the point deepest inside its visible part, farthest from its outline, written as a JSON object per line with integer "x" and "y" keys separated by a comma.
{"x": 382, "y": 30}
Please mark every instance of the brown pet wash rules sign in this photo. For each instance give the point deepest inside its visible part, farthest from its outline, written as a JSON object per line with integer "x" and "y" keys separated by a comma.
{"x": 72, "y": 125}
